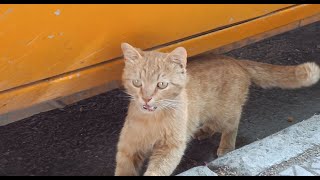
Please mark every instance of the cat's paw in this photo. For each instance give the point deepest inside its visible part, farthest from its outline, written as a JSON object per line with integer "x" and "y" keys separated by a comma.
{"x": 223, "y": 151}
{"x": 151, "y": 173}
{"x": 202, "y": 134}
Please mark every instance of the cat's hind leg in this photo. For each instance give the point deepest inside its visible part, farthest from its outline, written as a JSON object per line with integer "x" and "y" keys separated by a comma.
{"x": 229, "y": 131}
{"x": 204, "y": 132}
{"x": 227, "y": 142}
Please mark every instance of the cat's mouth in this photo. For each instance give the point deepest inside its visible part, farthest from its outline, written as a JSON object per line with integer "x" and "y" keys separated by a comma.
{"x": 149, "y": 108}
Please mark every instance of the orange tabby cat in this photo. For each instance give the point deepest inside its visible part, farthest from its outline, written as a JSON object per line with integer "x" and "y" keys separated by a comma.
{"x": 170, "y": 103}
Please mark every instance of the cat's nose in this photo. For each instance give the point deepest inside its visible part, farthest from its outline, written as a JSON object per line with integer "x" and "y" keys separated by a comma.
{"x": 146, "y": 100}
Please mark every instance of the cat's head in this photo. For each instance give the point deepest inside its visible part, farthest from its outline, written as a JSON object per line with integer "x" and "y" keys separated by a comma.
{"x": 153, "y": 79}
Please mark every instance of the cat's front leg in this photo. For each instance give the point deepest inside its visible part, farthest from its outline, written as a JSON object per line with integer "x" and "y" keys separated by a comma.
{"x": 129, "y": 158}
{"x": 165, "y": 158}
{"x": 128, "y": 164}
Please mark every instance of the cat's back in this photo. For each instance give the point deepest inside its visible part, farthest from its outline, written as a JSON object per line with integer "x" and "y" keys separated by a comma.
{"x": 209, "y": 76}
{"x": 213, "y": 66}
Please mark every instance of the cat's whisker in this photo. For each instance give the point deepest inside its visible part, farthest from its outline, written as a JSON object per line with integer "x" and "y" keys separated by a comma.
{"x": 124, "y": 95}
{"x": 166, "y": 104}
{"x": 169, "y": 100}
{"x": 128, "y": 96}
{"x": 173, "y": 104}
{"x": 169, "y": 106}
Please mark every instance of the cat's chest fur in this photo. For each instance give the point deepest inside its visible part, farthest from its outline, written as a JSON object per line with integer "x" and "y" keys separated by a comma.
{"x": 155, "y": 127}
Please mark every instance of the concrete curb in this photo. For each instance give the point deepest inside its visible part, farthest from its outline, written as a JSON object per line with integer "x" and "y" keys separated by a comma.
{"x": 255, "y": 158}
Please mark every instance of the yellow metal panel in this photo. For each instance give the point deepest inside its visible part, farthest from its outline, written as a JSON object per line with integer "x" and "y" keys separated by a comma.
{"x": 103, "y": 73}
{"x": 244, "y": 30}
{"x": 41, "y": 41}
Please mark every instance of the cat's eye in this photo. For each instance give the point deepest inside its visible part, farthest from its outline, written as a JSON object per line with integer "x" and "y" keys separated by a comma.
{"x": 137, "y": 83}
{"x": 162, "y": 85}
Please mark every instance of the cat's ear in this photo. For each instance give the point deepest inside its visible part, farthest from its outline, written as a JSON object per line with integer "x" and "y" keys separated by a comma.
{"x": 130, "y": 53}
{"x": 179, "y": 56}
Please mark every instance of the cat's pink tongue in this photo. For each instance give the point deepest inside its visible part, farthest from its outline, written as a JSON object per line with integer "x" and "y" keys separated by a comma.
{"x": 149, "y": 108}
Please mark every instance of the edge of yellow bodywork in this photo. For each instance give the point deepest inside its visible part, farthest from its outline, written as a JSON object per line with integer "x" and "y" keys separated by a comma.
{"x": 219, "y": 41}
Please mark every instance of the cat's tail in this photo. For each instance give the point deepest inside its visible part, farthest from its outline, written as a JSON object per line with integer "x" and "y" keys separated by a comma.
{"x": 286, "y": 77}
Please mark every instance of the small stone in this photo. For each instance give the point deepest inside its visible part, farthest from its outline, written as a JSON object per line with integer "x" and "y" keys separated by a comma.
{"x": 290, "y": 119}
{"x": 318, "y": 46}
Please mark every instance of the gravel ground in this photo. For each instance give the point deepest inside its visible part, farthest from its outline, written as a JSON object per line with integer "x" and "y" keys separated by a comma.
{"x": 81, "y": 138}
